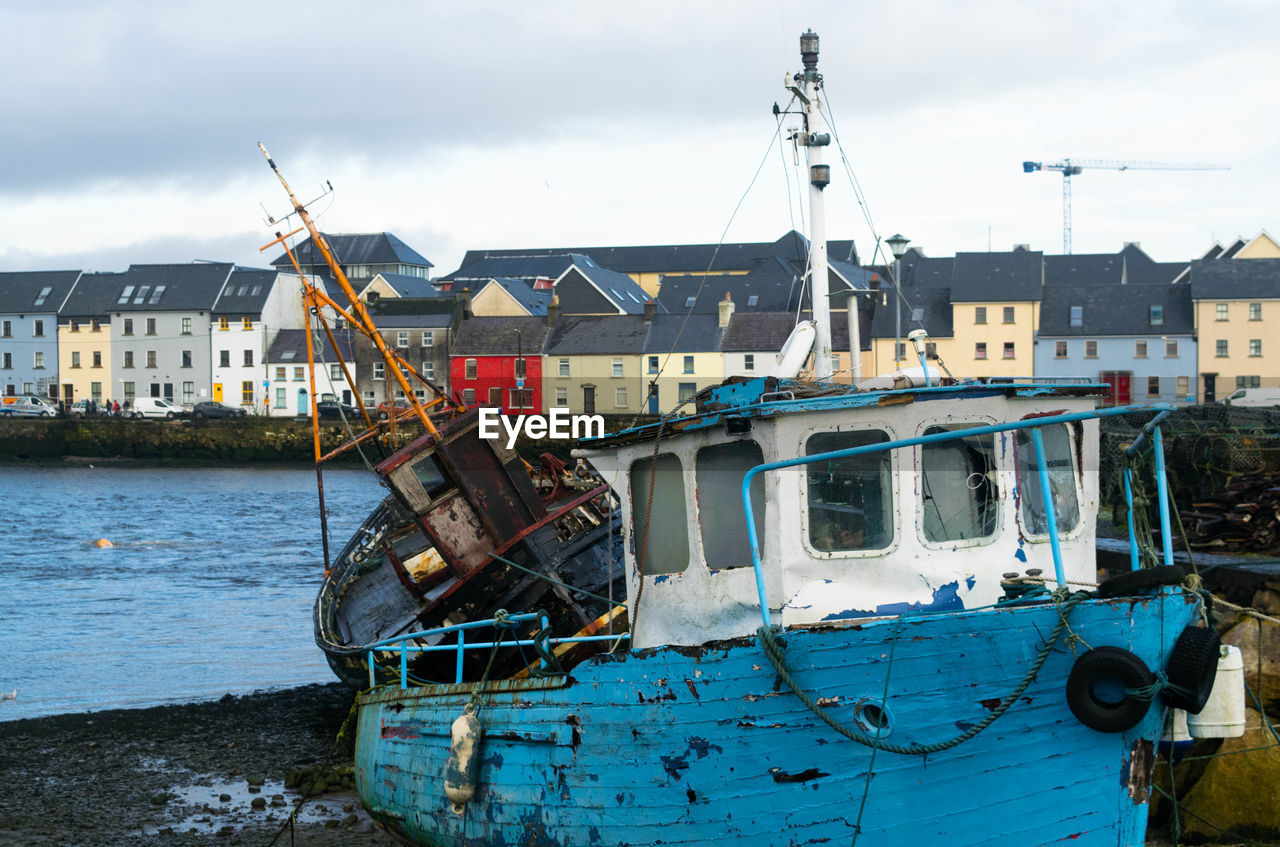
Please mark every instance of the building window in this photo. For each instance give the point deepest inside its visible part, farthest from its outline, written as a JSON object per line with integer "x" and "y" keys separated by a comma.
{"x": 617, "y": 367}
{"x": 1220, "y": 348}
{"x": 917, "y": 315}
{"x": 1184, "y": 386}
{"x": 1140, "y": 349}
{"x": 1156, "y": 316}
{"x": 402, "y": 338}
{"x": 687, "y": 390}
{"x": 1220, "y": 312}
{"x": 369, "y": 397}
{"x": 1248, "y": 382}
{"x": 186, "y": 326}
{"x": 6, "y": 329}
{"x": 37, "y": 329}
{"x": 521, "y": 398}
{"x": 151, "y": 326}
{"x": 522, "y": 367}
{"x": 653, "y": 364}
{"x": 689, "y": 301}
{"x": 469, "y": 396}
{"x": 128, "y": 358}
{"x": 39, "y": 359}
{"x": 495, "y": 396}
{"x": 1091, "y": 349}
{"x": 151, "y": 358}
{"x": 75, "y": 359}
{"x": 1008, "y": 350}
{"x": 246, "y": 393}
{"x": 1060, "y": 350}
{"x": 930, "y": 352}
{"x": 902, "y": 351}
{"x": 95, "y": 326}
{"x": 688, "y": 364}
{"x": 619, "y": 398}
{"x": 335, "y": 372}
{"x": 281, "y": 373}
{"x": 130, "y": 392}
{"x": 1171, "y": 348}
{"x": 1153, "y": 386}
{"x": 469, "y": 369}
{"x": 128, "y": 327}
{"x": 562, "y": 396}
{"x": 749, "y": 362}
{"x": 97, "y": 358}
{"x": 980, "y": 350}
{"x": 298, "y": 373}
{"x": 246, "y": 323}
{"x": 1008, "y": 314}
{"x": 1255, "y": 311}
{"x": 979, "y": 314}
{"x": 1255, "y": 346}
{"x": 428, "y": 338}
{"x": 380, "y": 371}
{"x": 188, "y": 392}
{"x": 7, "y": 362}
{"x": 429, "y": 370}
{"x": 75, "y": 326}
{"x": 248, "y": 358}
{"x": 186, "y": 358}
{"x": 224, "y": 323}
{"x": 224, "y": 358}
{"x": 280, "y": 398}
{"x": 95, "y": 391}
{"x": 563, "y": 367}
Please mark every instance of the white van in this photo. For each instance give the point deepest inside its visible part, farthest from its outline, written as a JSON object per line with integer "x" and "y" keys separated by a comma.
{"x": 155, "y": 407}
{"x": 27, "y": 405}
{"x": 1253, "y": 397}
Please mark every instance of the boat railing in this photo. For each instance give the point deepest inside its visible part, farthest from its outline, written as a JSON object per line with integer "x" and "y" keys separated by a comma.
{"x": 1034, "y": 426}
{"x": 502, "y": 621}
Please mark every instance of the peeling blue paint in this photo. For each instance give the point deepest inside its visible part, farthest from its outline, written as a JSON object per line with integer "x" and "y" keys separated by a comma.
{"x": 945, "y": 599}
{"x": 658, "y": 580}
{"x": 1020, "y": 554}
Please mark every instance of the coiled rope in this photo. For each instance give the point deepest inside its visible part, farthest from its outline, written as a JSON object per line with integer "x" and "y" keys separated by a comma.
{"x": 774, "y": 649}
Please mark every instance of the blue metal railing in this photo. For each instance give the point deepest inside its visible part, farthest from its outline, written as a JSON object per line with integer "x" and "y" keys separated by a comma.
{"x": 1033, "y": 424}
{"x": 401, "y": 642}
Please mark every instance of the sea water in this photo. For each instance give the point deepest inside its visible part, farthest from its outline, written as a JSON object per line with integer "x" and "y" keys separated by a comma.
{"x": 206, "y": 589}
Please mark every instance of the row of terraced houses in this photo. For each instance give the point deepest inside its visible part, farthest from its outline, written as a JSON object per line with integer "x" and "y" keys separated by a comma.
{"x": 632, "y": 330}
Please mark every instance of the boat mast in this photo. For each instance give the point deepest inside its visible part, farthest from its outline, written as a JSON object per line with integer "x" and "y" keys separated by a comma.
{"x": 805, "y": 85}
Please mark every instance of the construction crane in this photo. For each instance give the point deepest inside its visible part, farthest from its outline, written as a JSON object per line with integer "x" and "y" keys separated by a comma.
{"x": 1071, "y": 167}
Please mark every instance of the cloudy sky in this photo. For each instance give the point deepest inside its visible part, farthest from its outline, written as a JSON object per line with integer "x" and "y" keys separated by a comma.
{"x": 130, "y": 127}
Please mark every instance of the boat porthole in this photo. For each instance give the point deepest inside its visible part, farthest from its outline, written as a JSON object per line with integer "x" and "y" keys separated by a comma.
{"x": 872, "y": 717}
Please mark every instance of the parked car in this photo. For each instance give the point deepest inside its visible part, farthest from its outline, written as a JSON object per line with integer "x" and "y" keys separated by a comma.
{"x": 1253, "y": 397}
{"x": 85, "y": 408}
{"x": 27, "y": 405}
{"x": 156, "y": 407}
{"x": 214, "y": 409}
{"x": 335, "y": 409}
{"x": 385, "y": 409}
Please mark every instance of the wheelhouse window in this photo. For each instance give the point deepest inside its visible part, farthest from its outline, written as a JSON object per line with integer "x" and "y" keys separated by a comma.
{"x": 1062, "y": 481}
{"x": 721, "y": 519}
{"x": 666, "y": 548}
{"x": 850, "y": 499}
{"x": 958, "y": 489}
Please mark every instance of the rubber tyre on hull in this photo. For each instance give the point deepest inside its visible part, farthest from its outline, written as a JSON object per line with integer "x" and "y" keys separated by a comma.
{"x": 1108, "y": 663}
{"x": 1193, "y": 665}
{"x": 1136, "y": 582}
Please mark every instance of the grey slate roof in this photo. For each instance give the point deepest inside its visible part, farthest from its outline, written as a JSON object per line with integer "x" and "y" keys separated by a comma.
{"x": 414, "y": 312}
{"x": 699, "y": 334}
{"x": 534, "y": 302}
{"x": 246, "y": 292}
{"x": 1115, "y": 310}
{"x": 597, "y": 335}
{"x": 20, "y": 291}
{"x": 410, "y": 286}
{"x": 997, "y": 277}
{"x": 370, "y": 248}
{"x": 681, "y": 257}
{"x": 753, "y": 332}
{"x": 290, "y": 347}
{"x": 1235, "y": 278}
{"x": 775, "y": 287}
{"x": 1131, "y": 266}
{"x": 619, "y": 288}
{"x": 548, "y": 266}
{"x": 187, "y": 287}
{"x": 936, "y": 303}
{"x": 498, "y": 336}
{"x": 92, "y": 297}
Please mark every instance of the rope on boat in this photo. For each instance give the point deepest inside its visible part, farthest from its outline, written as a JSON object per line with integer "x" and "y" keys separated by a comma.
{"x": 776, "y": 651}
{"x": 555, "y": 581}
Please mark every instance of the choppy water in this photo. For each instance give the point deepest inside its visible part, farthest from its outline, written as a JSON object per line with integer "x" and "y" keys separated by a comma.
{"x": 207, "y": 591}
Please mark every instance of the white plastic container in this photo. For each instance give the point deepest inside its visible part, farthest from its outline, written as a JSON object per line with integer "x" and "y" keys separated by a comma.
{"x": 1223, "y": 715}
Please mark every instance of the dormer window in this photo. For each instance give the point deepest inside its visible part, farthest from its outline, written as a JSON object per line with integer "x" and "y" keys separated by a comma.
{"x": 1077, "y": 316}
{"x": 1156, "y": 315}
{"x": 43, "y": 295}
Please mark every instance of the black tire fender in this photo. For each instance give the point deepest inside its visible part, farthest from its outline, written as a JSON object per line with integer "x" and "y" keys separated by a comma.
{"x": 1193, "y": 665}
{"x": 1115, "y": 665}
{"x": 1145, "y": 579}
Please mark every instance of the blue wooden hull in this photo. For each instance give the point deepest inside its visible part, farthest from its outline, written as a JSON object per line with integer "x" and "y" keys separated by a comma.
{"x": 703, "y": 745}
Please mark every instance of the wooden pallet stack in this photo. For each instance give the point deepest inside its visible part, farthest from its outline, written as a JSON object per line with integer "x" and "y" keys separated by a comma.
{"x": 1245, "y": 517}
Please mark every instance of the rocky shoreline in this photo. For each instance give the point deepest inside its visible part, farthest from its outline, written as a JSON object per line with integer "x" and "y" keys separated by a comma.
{"x": 223, "y": 772}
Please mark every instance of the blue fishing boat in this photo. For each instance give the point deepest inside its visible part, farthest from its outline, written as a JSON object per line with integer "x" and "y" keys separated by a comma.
{"x": 861, "y": 614}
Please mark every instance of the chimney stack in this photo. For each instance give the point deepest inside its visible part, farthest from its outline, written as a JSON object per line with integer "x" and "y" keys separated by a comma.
{"x": 553, "y": 310}
{"x": 464, "y": 300}
{"x": 726, "y": 310}
{"x": 650, "y": 309}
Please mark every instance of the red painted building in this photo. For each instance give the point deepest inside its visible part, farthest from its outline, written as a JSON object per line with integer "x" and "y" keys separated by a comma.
{"x": 493, "y": 357}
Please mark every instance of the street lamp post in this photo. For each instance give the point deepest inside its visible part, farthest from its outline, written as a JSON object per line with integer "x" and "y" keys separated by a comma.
{"x": 898, "y": 245}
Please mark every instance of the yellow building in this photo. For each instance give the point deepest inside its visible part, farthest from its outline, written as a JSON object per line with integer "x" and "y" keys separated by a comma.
{"x": 1237, "y": 320}
{"x": 84, "y": 340}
